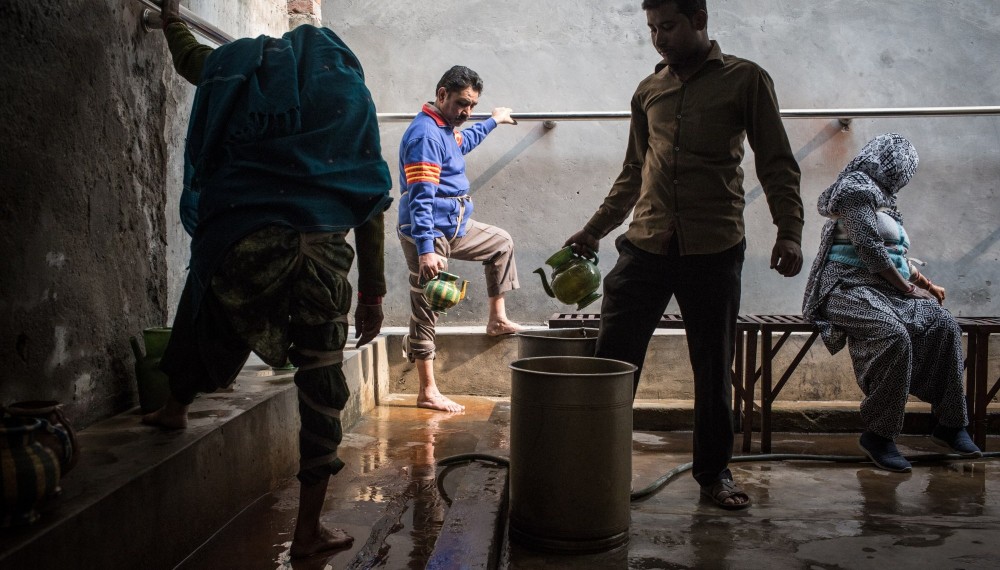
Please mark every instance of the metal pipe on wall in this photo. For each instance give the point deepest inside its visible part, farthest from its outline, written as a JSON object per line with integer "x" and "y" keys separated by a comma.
{"x": 151, "y": 21}
{"x": 844, "y": 115}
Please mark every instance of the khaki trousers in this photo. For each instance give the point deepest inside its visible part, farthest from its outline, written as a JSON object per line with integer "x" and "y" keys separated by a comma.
{"x": 481, "y": 242}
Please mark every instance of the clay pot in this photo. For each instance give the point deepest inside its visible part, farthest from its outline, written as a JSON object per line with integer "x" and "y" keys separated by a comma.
{"x": 58, "y": 435}
{"x": 29, "y": 471}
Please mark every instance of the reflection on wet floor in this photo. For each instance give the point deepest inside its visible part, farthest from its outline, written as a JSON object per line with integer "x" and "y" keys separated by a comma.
{"x": 806, "y": 514}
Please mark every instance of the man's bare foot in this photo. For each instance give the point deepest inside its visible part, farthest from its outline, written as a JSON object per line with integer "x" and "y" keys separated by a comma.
{"x": 171, "y": 416}
{"x": 439, "y": 402}
{"x": 323, "y": 540}
{"x": 500, "y": 328}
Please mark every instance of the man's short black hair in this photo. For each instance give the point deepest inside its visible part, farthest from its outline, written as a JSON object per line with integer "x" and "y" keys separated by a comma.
{"x": 687, "y": 7}
{"x": 458, "y": 78}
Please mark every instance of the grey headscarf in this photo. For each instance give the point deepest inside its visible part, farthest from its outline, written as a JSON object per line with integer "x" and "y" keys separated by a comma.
{"x": 884, "y": 166}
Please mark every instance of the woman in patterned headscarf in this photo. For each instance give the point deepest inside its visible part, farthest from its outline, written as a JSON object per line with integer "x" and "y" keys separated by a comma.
{"x": 863, "y": 291}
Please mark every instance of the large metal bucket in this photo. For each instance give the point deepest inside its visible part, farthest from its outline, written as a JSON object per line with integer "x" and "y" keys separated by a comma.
{"x": 557, "y": 342}
{"x": 570, "y": 453}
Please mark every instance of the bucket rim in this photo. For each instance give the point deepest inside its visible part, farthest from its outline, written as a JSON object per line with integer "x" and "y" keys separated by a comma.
{"x": 629, "y": 367}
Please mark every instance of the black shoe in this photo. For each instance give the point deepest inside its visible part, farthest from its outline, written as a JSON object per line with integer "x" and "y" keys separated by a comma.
{"x": 883, "y": 453}
{"x": 957, "y": 439}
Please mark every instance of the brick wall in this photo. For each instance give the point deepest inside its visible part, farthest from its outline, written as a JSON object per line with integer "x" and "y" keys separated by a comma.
{"x": 304, "y": 12}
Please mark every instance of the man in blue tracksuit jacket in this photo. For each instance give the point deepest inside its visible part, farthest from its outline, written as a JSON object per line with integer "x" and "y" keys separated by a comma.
{"x": 435, "y": 212}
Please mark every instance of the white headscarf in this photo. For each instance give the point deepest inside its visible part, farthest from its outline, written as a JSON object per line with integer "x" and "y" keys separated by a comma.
{"x": 884, "y": 166}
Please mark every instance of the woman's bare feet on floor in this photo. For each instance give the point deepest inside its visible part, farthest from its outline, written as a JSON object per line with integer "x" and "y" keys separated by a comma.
{"x": 323, "y": 540}
{"x": 502, "y": 327}
{"x": 440, "y": 402}
{"x": 171, "y": 416}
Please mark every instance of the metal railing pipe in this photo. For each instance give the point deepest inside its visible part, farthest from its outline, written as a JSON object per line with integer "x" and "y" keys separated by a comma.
{"x": 151, "y": 21}
{"x": 897, "y": 112}
{"x": 843, "y": 115}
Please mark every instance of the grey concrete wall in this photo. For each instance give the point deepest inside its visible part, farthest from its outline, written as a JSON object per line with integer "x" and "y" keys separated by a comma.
{"x": 83, "y": 206}
{"x": 542, "y": 185}
{"x": 93, "y": 121}
{"x": 92, "y": 118}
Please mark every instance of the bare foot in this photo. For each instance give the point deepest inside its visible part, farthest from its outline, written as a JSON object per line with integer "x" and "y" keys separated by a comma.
{"x": 439, "y": 402}
{"x": 171, "y": 416}
{"x": 324, "y": 539}
{"x": 500, "y": 328}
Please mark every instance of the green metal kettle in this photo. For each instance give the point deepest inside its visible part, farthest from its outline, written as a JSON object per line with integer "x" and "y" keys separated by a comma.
{"x": 153, "y": 383}
{"x": 575, "y": 278}
{"x": 443, "y": 291}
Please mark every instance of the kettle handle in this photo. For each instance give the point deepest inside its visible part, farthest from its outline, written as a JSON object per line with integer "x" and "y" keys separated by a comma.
{"x": 590, "y": 254}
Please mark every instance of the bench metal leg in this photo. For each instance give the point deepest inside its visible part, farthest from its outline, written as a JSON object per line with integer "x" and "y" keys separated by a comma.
{"x": 749, "y": 382}
{"x": 737, "y": 380}
{"x": 766, "y": 360}
{"x": 982, "y": 395}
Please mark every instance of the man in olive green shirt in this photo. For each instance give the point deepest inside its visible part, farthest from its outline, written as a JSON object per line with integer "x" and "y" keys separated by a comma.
{"x": 683, "y": 185}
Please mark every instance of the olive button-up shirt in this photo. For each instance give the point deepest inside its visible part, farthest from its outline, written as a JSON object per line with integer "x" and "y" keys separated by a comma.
{"x": 682, "y": 171}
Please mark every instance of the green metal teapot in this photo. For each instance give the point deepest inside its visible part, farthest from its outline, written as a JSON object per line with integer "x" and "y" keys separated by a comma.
{"x": 443, "y": 292}
{"x": 153, "y": 383}
{"x": 575, "y": 278}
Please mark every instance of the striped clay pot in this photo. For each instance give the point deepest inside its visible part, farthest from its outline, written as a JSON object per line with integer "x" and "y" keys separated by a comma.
{"x": 29, "y": 471}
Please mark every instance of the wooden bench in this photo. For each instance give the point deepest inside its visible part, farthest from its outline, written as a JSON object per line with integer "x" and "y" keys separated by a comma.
{"x": 980, "y": 390}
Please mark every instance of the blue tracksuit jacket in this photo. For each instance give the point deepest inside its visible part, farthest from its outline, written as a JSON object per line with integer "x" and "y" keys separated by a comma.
{"x": 435, "y": 198}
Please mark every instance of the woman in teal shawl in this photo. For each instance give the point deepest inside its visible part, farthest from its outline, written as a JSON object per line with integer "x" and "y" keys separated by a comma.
{"x": 863, "y": 291}
{"x": 282, "y": 159}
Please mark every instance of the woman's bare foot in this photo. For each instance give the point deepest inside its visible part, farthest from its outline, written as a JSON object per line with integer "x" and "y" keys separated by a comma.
{"x": 502, "y": 327}
{"x": 440, "y": 402}
{"x": 322, "y": 540}
{"x": 173, "y": 415}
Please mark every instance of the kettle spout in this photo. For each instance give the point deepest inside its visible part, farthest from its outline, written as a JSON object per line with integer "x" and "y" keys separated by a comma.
{"x": 545, "y": 283}
{"x": 461, "y": 294}
{"x": 136, "y": 348}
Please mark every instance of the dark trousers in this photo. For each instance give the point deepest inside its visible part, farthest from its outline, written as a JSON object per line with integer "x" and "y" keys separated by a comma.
{"x": 287, "y": 295}
{"x": 204, "y": 353}
{"x": 707, "y": 287}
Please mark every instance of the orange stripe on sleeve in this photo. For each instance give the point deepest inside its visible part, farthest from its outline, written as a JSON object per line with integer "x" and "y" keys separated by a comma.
{"x": 422, "y": 172}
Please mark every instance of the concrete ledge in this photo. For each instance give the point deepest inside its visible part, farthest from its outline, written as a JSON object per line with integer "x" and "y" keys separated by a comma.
{"x": 144, "y": 498}
{"x": 802, "y": 416}
{"x": 469, "y": 362}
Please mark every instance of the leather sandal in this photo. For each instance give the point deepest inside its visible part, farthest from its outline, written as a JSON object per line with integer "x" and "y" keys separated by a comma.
{"x": 724, "y": 489}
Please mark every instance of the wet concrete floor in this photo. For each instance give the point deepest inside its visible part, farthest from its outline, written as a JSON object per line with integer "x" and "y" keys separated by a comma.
{"x": 815, "y": 515}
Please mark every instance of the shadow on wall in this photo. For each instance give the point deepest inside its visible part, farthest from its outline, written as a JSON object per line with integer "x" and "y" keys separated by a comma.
{"x": 517, "y": 150}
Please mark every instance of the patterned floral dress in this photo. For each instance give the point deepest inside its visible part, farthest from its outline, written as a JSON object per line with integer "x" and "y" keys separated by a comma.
{"x": 899, "y": 345}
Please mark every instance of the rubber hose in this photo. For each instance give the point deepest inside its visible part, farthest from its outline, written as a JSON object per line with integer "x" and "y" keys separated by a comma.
{"x": 450, "y": 462}
{"x": 657, "y": 485}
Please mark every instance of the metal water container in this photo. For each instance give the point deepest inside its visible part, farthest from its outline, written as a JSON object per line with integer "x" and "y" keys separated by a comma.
{"x": 570, "y": 453}
{"x": 557, "y": 342}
